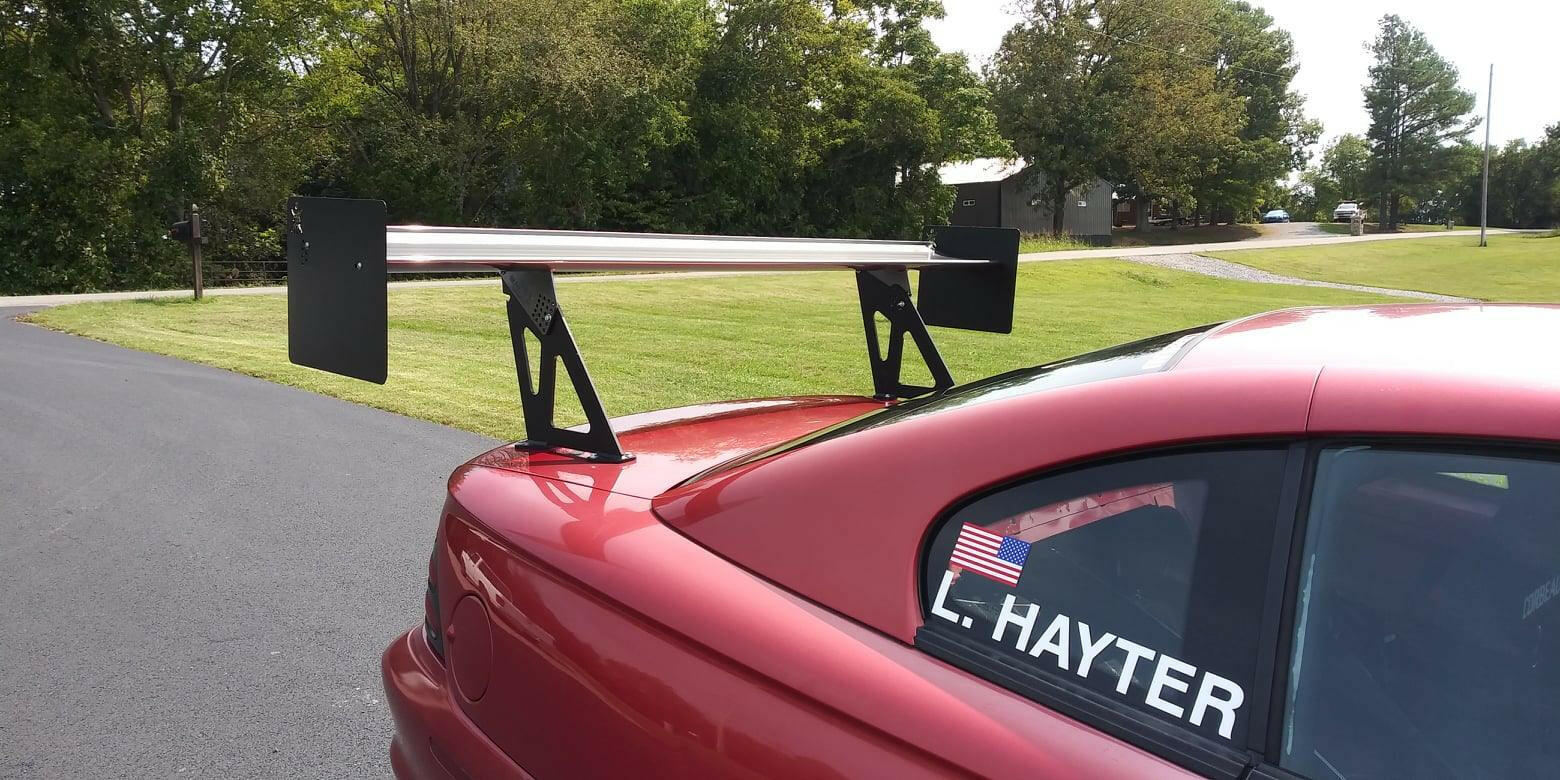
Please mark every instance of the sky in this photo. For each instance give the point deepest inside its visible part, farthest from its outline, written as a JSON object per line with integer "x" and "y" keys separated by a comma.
{"x": 1518, "y": 36}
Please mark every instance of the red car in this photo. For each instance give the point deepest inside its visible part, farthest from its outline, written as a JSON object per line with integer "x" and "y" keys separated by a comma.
{"x": 1320, "y": 543}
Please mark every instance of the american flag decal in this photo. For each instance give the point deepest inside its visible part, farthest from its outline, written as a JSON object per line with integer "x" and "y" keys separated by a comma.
{"x": 1000, "y": 558}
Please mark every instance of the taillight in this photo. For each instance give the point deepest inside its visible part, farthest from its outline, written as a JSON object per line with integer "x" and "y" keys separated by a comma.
{"x": 431, "y": 632}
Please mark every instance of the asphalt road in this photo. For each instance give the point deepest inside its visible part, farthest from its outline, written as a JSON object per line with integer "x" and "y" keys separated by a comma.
{"x": 198, "y": 569}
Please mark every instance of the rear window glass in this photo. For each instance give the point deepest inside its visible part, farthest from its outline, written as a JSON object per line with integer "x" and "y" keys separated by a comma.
{"x": 1140, "y": 582}
{"x": 1139, "y": 357}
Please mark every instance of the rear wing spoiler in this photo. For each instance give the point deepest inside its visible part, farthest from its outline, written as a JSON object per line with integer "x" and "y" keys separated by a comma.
{"x": 339, "y": 253}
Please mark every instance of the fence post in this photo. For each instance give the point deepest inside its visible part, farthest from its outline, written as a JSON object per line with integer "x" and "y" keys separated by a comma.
{"x": 195, "y": 246}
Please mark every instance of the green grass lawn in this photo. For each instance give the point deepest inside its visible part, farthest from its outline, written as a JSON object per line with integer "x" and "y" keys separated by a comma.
{"x": 1511, "y": 268}
{"x": 655, "y": 344}
{"x": 1041, "y": 242}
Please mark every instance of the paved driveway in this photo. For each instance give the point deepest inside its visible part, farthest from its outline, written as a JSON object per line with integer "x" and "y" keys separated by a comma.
{"x": 199, "y": 569}
{"x": 1295, "y": 230}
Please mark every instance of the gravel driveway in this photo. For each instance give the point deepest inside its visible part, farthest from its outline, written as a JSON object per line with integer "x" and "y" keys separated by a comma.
{"x": 1224, "y": 269}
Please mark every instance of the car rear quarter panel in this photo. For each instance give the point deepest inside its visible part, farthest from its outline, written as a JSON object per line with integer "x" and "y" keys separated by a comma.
{"x": 843, "y": 521}
{"x": 623, "y": 649}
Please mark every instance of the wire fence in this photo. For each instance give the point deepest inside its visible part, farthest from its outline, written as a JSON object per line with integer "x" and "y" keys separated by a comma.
{"x": 243, "y": 273}
{"x": 273, "y": 273}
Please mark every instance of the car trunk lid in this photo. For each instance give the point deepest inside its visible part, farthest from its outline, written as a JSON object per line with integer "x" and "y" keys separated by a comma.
{"x": 671, "y": 445}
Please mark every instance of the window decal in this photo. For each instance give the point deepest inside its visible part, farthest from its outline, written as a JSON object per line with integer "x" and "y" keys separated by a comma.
{"x": 1538, "y": 598}
{"x": 994, "y": 557}
{"x": 1103, "y": 652}
{"x": 1137, "y": 581}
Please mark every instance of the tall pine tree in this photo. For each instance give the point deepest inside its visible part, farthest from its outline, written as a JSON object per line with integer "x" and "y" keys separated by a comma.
{"x": 1418, "y": 119}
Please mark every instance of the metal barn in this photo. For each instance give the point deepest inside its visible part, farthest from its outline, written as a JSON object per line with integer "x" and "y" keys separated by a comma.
{"x": 992, "y": 193}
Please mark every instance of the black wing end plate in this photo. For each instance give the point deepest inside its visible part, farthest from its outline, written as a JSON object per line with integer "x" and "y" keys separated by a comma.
{"x": 972, "y": 298}
{"x": 336, "y": 273}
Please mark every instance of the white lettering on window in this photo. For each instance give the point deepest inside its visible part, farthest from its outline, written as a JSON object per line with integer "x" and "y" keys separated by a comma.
{"x": 1538, "y": 598}
{"x": 1135, "y": 653}
{"x": 1026, "y": 623}
{"x": 1227, "y": 705}
{"x": 1054, "y": 641}
{"x": 942, "y": 595}
{"x": 1215, "y": 693}
{"x": 1089, "y": 648}
{"x": 1163, "y": 680}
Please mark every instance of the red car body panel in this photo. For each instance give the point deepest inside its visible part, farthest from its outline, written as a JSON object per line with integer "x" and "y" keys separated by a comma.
{"x": 433, "y": 738}
{"x": 670, "y": 445}
{"x": 813, "y": 539}
{"x": 715, "y": 673}
{"x": 608, "y": 620}
{"x": 1479, "y": 371}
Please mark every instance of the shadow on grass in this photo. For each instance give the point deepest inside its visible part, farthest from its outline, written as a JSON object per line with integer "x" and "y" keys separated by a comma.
{"x": 174, "y": 302}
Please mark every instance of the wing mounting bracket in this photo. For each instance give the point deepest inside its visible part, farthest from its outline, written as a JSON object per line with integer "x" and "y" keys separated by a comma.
{"x": 534, "y": 311}
{"x": 887, "y": 293}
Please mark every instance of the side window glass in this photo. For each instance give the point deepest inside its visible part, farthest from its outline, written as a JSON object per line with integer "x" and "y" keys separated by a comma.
{"x": 1422, "y": 645}
{"x": 1140, "y": 581}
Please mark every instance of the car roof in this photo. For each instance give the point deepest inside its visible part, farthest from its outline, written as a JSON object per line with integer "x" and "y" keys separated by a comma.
{"x": 1496, "y": 340}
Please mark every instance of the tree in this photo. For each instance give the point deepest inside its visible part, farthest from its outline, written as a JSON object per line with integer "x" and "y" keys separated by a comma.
{"x": 1346, "y": 162}
{"x": 830, "y": 119}
{"x": 791, "y": 117}
{"x": 1418, "y": 118}
{"x": 1443, "y": 199}
{"x": 788, "y": 117}
{"x": 1524, "y": 185}
{"x": 116, "y": 114}
{"x": 1254, "y": 61}
{"x": 515, "y": 112}
{"x": 1182, "y": 100}
{"x": 905, "y": 109}
{"x": 1341, "y": 174}
{"x": 1297, "y": 198}
{"x": 1178, "y": 130}
{"x": 1057, "y": 81}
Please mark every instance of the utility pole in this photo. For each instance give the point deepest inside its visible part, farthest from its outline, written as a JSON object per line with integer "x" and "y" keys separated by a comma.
{"x": 1484, "y": 199}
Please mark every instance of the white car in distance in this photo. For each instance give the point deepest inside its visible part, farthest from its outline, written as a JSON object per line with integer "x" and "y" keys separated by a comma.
{"x": 1346, "y": 211}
